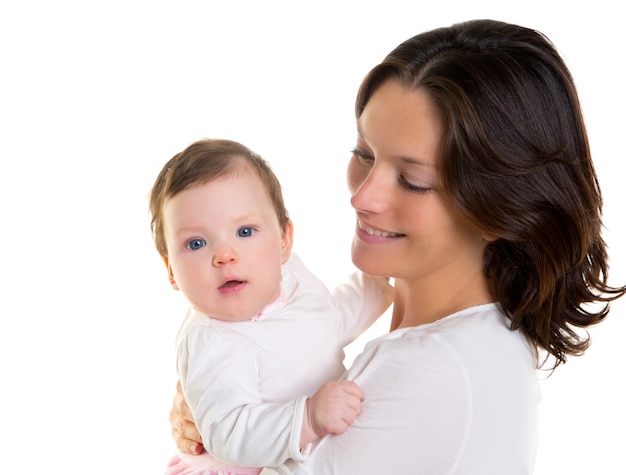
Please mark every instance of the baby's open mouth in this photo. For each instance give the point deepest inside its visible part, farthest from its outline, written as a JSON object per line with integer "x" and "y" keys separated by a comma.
{"x": 231, "y": 283}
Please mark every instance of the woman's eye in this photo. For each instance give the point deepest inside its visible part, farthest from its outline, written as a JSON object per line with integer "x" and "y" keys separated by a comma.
{"x": 245, "y": 232}
{"x": 414, "y": 188}
{"x": 195, "y": 244}
{"x": 362, "y": 155}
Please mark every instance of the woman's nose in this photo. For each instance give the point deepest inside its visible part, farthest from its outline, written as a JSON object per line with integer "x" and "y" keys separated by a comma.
{"x": 373, "y": 194}
{"x": 224, "y": 255}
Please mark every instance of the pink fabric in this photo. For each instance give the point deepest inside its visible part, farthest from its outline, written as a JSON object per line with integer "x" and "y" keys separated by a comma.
{"x": 205, "y": 464}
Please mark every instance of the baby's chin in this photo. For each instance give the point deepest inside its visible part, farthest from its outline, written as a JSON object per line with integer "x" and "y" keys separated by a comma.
{"x": 226, "y": 316}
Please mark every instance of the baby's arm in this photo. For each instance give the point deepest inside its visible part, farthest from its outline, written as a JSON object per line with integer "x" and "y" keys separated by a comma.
{"x": 219, "y": 375}
{"x": 331, "y": 410}
{"x": 361, "y": 300}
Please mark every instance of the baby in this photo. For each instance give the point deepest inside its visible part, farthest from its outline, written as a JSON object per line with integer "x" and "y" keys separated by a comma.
{"x": 260, "y": 351}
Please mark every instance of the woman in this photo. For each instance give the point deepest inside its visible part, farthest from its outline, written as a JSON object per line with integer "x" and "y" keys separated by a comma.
{"x": 474, "y": 188}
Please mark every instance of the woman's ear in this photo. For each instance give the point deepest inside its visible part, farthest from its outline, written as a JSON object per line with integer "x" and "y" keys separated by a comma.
{"x": 287, "y": 242}
{"x": 170, "y": 274}
{"x": 489, "y": 237}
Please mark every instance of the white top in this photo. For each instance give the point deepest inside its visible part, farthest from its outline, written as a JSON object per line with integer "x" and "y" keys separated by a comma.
{"x": 457, "y": 396}
{"x": 247, "y": 382}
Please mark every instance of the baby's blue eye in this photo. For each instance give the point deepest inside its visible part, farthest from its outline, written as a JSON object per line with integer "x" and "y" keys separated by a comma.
{"x": 195, "y": 244}
{"x": 245, "y": 232}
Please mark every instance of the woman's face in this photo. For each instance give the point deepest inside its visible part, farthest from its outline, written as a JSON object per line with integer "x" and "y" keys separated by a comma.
{"x": 407, "y": 227}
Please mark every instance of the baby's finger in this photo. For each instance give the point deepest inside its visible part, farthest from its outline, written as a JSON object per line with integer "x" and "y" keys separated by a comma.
{"x": 352, "y": 388}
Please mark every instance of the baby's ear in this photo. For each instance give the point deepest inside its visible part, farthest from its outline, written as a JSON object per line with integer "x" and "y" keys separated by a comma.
{"x": 287, "y": 242}
{"x": 170, "y": 274}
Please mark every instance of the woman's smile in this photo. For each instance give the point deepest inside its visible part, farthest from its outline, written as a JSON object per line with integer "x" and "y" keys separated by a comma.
{"x": 372, "y": 232}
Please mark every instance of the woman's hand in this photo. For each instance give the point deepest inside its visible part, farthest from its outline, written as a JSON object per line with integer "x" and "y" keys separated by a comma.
{"x": 184, "y": 430}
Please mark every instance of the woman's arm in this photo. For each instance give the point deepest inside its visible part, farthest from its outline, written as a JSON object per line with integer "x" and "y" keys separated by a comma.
{"x": 184, "y": 430}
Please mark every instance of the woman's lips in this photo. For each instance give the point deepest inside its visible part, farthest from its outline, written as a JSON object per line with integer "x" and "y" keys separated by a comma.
{"x": 374, "y": 232}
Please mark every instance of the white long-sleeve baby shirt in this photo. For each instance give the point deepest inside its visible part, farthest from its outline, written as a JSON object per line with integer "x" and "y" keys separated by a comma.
{"x": 247, "y": 382}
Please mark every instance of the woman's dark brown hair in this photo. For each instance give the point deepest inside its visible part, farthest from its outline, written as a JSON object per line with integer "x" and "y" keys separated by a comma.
{"x": 516, "y": 160}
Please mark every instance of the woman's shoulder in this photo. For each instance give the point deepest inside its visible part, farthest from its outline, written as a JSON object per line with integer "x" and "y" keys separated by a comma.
{"x": 442, "y": 386}
{"x": 483, "y": 335}
{"x": 468, "y": 341}
{"x": 472, "y": 326}
{"x": 487, "y": 317}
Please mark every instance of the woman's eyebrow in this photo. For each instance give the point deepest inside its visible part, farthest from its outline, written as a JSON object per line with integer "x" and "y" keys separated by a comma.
{"x": 415, "y": 161}
{"x": 403, "y": 158}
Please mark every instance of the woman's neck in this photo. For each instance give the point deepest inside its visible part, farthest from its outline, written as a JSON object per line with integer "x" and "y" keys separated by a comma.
{"x": 426, "y": 301}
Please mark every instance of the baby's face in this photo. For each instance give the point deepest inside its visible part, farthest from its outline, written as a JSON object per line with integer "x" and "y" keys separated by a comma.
{"x": 225, "y": 246}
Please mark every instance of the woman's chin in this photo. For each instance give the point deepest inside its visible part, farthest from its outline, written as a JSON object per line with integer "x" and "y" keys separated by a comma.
{"x": 368, "y": 263}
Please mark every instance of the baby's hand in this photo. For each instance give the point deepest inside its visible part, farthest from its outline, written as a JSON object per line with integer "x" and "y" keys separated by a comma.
{"x": 334, "y": 407}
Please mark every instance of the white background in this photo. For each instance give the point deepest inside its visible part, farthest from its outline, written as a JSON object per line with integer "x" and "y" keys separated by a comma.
{"x": 96, "y": 96}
